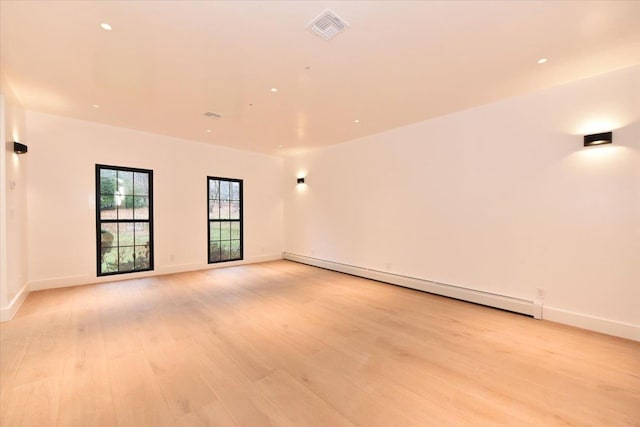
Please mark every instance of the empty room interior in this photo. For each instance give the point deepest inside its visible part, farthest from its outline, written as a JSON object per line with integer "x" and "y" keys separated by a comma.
{"x": 320, "y": 213}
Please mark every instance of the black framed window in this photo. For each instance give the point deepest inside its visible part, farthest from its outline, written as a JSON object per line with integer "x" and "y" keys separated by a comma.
{"x": 225, "y": 219}
{"x": 124, "y": 219}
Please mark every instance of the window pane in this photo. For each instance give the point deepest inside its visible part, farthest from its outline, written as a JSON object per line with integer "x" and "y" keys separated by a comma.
{"x": 214, "y": 231}
{"x": 225, "y": 230}
{"x": 107, "y": 193}
{"x": 107, "y": 182}
{"x": 108, "y": 235}
{"x": 110, "y": 262}
{"x": 125, "y": 183}
{"x": 123, "y": 198}
{"x": 141, "y": 184}
{"x": 109, "y": 248}
{"x": 125, "y": 208}
{"x": 214, "y": 209}
{"x": 141, "y": 234}
{"x": 141, "y": 261}
{"x": 214, "y": 189}
{"x": 224, "y": 190}
{"x": 108, "y": 207}
{"x": 224, "y": 209}
{"x": 235, "y": 249}
{"x": 225, "y": 247}
{"x": 126, "y": 259}
{"x": 214, "y": 251}
{"x": 235, "y": 191}
{"x": 141, "y": 207}
{"x": 110, "y": 259}
{"x": 234, "y": 210}
{"x": 126, "y": 233}
{"x": 235, "y": 230}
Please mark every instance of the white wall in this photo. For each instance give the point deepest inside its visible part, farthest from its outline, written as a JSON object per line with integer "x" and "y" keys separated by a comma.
{"x": 63, "y": 153}
{"x": 13, "y": 205}
{"x": 501, "y": 198}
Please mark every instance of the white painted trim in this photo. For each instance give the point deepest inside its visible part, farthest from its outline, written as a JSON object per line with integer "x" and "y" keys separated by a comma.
{"x": 62, "y": 282}
{"x": 493, "y": 300}
{"x": 593, "y": 323}
{"x": 7, "y": 313}
{"x": 3, "y": 204}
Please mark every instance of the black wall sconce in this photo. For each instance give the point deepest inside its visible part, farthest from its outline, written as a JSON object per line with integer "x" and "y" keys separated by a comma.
{"x": 19, "y": 148}
{"x": 598, "y": 139}
{"x": 300, "y": 180}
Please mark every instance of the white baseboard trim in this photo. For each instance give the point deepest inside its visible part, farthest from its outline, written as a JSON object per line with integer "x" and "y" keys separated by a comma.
{"x": 493, "y": 300}
{"x": 593, "y": 323}
{"x": 63, "y": 282}
{"x": 59, "y": 282}
{"x": 183, "y": 268}
{"x": 7, "y": 313}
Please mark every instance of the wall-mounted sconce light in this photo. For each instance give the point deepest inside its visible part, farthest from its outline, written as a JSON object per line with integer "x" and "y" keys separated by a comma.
{"x": 598, "y": 139}
{"x": 300, "y": 180}
{"x": 19, "y": 148}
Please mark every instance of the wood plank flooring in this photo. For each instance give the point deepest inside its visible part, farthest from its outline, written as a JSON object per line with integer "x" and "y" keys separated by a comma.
{"x": 284, "y": 344}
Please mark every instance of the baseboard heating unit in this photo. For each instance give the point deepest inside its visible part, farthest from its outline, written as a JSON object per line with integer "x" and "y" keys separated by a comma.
{"x": 502, "y": 302}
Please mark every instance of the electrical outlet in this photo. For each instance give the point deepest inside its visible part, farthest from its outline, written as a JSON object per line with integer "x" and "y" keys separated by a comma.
{"x": 540, "y": 293}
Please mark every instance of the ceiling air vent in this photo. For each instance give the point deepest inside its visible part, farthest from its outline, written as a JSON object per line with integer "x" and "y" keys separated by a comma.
{"x": 327, "y": 25}
{"x": 212, "y": 114}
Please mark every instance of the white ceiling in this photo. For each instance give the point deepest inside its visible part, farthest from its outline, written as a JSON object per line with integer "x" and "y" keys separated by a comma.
{"x": 165, "y": 63}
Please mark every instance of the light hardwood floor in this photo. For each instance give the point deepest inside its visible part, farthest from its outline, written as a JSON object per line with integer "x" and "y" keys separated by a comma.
{"x": 286, "y": 344}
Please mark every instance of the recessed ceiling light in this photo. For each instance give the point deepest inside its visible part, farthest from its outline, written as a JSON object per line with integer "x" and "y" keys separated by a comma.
{"x": 105, "y": 26}
{"x": 542, "y": 60}
{"x": 280, "y": 146}
{"x": 356, "y": 121}
{"x": 274, "y": 89}
{"x": 209, "y": 131}
{"x": 96, "y": 106}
